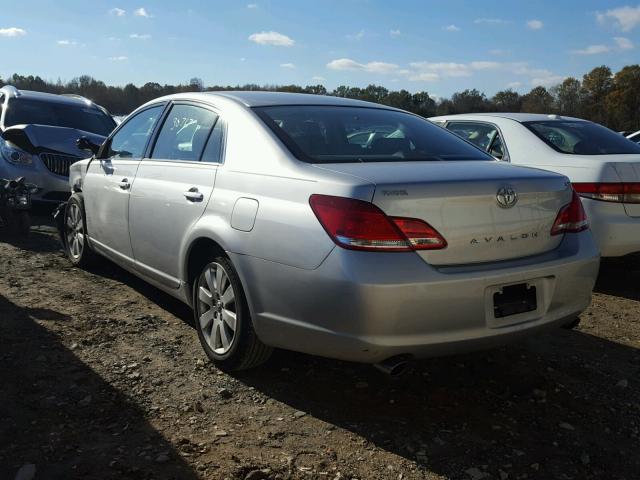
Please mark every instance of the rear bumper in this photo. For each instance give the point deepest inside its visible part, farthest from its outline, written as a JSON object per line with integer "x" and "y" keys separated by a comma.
{"x": 616, "y": 233}
{"x": 367, "y": 307}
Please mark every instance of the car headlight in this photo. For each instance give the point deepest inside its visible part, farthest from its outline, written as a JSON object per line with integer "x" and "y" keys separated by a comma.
{"x": 15, "y": 155}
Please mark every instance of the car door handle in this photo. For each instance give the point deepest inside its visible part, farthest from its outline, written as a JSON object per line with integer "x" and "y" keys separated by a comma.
{"x": 124, "y": 184}
{"x": 193, "y": 195}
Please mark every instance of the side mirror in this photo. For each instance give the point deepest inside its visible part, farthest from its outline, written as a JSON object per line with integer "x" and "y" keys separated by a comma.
{"x": 83, "y": 143}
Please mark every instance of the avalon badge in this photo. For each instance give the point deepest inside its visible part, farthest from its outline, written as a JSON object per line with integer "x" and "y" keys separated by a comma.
{"x": 506, "y": 197}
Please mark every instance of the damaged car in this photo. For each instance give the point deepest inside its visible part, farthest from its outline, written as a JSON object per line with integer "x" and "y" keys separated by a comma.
{"x": 38, "y": 133}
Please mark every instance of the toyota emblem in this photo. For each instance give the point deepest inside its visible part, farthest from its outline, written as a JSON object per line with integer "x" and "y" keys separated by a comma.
{"x": 506, "y": 197}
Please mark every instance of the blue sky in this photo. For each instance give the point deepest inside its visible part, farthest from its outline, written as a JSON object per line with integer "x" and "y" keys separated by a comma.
{"x": 438, "y": 46}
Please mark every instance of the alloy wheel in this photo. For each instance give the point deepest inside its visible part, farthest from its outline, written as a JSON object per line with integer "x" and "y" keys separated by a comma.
{"x": 217, "y": 311}
{"x": 74, "y": 230}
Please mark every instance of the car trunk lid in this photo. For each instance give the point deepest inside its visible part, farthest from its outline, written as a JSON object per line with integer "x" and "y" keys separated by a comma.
{"x": 459, "y": 199}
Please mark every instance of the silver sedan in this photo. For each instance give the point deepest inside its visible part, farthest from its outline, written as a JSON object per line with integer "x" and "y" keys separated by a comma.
{"x": 330, "y": 226}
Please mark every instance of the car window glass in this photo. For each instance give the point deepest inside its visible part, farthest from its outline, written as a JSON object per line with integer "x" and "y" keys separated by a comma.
{"x": 23, "y": 111}
{"x": 480, "y": 134}
{"x": 326, "y": 134}
{"x": 581, "y": 138}
{"x": 213, "y": 151}
{"x": 131, "y": 140}
{"x": 184, "y": 133}
{"x": 497, "y": 147}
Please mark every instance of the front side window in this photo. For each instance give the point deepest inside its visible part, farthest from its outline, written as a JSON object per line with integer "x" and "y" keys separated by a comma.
{"x": 327, "y": 134}
{"x": 132, "y": 137}
{"x": 184, "y": 133}
{"x": 25, "y": 111}
{"x": 582, "y": 138}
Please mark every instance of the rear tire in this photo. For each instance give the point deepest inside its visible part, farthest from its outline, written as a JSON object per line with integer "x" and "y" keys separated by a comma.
{"x": 572, "y": 324}
{"x": 223, "y": 320}
{"x": 76, "y": 247}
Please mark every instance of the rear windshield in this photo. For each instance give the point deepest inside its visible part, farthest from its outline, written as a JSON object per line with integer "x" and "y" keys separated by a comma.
{"x": 27, "y": 111}
{"x": 582, "y": 138}
{"x": 331, "y": 134}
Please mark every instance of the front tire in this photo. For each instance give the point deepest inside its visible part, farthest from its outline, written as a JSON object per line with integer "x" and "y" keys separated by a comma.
{"x": 75, "y": 234}
{"x": 222, "y": 318}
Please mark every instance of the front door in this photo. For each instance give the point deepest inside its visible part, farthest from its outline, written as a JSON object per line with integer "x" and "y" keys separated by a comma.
{"x": 109, "y": 180}
{"x": 172, "y": 189}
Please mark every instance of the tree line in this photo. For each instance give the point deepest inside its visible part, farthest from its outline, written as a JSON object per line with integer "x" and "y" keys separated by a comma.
{"x": 602, "y": 96}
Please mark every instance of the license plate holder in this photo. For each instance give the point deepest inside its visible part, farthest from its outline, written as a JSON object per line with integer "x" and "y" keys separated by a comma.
{"x": 514, "y": 299}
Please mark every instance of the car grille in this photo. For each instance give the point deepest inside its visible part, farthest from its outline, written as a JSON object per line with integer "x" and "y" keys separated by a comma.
{"x": 57, "y": 163}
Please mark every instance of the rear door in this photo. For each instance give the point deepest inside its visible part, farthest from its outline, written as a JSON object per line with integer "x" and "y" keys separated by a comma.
{"x": 172, "y": 188}
{"x": 108, "y": 182}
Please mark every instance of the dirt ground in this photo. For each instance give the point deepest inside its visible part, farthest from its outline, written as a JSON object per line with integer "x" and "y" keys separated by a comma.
{"x": 102, "y": 376}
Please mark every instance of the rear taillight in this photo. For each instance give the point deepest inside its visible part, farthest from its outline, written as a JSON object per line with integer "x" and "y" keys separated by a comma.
{"x": 360, "y": 225}
{"x": 610, "y": 192}
{"x": 571, "y": 218}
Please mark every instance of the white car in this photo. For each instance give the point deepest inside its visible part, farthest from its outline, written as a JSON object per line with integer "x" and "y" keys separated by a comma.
{"x": 603, "y": 166}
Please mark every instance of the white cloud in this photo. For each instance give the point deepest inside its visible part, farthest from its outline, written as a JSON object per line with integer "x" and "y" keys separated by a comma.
{"x": 143, "y": 36}
{"x": 66, "y": 43}
{"x": 591, "y": 50}
{"x": 371, "y": 67}
{"x": 252, "y": 5}
{"x": 142, "y": 12}
{"x": 484, "y": 65}
{"x": 318, "y": 78}
{"x": 490, "y": 21}
{"x": 451, "y": 28}
{"x": 534, "y": 24}
{"x": 547, "y": 81}
{"x": 445, "y": 69}
{"x": 290, "y": 66}
{"x": 12, "y": 32}
{"x": 424, "y": 77}
{"x": 394, "y": 33}
{"x": 623, "y": 43}
{"x": 272, "y": 38}
{"x": 514, "y": 84}
{"x": 624, "y": 18}
{"x": 117, "y": 12}
{"x": 355, "y": 36}
{"x": 120, "y": 58}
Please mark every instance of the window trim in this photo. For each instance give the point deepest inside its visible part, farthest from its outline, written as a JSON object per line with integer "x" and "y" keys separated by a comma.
{"x": 481, "y": 122}
{"x": 163, "y": 118}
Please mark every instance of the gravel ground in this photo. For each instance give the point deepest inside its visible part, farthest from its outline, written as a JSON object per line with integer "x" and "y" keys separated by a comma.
{"x": 102, "y": 376}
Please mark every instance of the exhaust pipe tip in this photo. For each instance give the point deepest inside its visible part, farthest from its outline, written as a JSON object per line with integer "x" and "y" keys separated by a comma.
{"x": 394, "y": 366}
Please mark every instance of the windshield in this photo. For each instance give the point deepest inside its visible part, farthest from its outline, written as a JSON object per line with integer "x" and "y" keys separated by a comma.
{"x": 582, "y": 138}
{"x": 331, "y": 134}
{"x": 28, "y": 111}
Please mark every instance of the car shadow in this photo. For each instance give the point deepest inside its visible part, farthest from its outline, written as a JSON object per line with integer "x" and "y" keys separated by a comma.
{"x": 547, "y": 408}
{"x": 60, "y": 428}
{"x": 619, "y": 278}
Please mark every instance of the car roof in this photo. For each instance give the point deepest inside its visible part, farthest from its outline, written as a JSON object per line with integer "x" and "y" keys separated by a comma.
{"x": 264, "y": 99}
{"x": 50, "y": 97}
{"x": 518, "y": 117}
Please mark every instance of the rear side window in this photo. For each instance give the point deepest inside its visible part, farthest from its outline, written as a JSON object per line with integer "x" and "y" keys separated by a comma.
{"x": 328, "y": 134}
{"x": 582, "y": 138}
{"x": 484, "y": 135}
{"x": 131, "y": 139}
{"x": 184, "y": 133}
{"x": 213, "y": 150}
{"x": 480, "y": 134}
